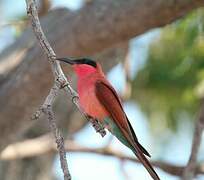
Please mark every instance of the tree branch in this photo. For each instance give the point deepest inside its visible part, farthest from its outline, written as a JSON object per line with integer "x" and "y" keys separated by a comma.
{"x": 45, "y": 144}
{"x": 59, "y": 141}
{"x": 61, "y": 81}
{"x": 190, "y": 169}
{"x": 59, "y": 78}
{"x": 111, "y": 22}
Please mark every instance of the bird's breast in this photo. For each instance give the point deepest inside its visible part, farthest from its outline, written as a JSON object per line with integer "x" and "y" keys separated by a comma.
{"x": 88, "y": 100}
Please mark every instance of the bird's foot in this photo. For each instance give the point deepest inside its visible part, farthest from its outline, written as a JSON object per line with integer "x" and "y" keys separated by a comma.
{"x": 98, "y": 126}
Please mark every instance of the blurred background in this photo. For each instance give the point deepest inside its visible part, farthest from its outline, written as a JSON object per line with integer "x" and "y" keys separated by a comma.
{"x": 160, "y": 77}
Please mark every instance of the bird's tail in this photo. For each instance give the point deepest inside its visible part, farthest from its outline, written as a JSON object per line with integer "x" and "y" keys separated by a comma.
{"x": 138, "y": 151}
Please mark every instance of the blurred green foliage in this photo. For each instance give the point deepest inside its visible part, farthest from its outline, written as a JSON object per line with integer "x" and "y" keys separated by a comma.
{"x": 170, "y": 85}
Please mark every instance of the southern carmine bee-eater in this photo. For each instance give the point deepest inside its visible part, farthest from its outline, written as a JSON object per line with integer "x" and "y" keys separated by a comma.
{"x": 99, "y": 100}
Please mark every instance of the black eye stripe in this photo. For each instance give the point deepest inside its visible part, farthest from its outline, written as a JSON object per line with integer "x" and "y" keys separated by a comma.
{"x": 78, "y": 61}
{"x": 85, "y": 61}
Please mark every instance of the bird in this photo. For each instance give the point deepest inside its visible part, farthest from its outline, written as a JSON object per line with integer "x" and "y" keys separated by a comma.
{"x": 99, "y": 100}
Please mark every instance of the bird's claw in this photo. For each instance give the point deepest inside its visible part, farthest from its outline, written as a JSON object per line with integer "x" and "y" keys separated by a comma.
{"x": 98, "y": 126}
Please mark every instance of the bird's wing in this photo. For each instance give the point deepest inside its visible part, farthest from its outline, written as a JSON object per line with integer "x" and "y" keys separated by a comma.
{"x": 111, "y": 102}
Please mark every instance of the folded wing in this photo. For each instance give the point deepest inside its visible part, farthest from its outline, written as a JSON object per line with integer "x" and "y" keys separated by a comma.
{"x": 111, "y": 102}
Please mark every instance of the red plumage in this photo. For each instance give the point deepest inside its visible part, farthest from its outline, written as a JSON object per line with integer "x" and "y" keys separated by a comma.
{"x": 99, "y": 100}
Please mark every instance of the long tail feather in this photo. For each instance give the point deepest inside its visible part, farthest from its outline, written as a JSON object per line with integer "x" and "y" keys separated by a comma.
{"x": 119, "y": 124}
{"x": 139, "y": 153}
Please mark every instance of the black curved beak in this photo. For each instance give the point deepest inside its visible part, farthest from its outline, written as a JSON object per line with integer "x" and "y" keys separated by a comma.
{"x": 66, "y": 60}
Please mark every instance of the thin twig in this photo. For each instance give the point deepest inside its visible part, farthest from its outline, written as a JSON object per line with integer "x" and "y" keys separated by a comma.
{"x": 48, "y": 102}
{"x": 47, "y": 109}
{"x": 190, "y": 169}
{"x": 59, "y": 141}
{"x": 60, "y": 78}
{"x": 57, "y": 71}
{"x": 60, "y": 83}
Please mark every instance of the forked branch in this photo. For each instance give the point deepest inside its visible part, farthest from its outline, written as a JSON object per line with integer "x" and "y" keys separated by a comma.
{"x": 60, "y": 83}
